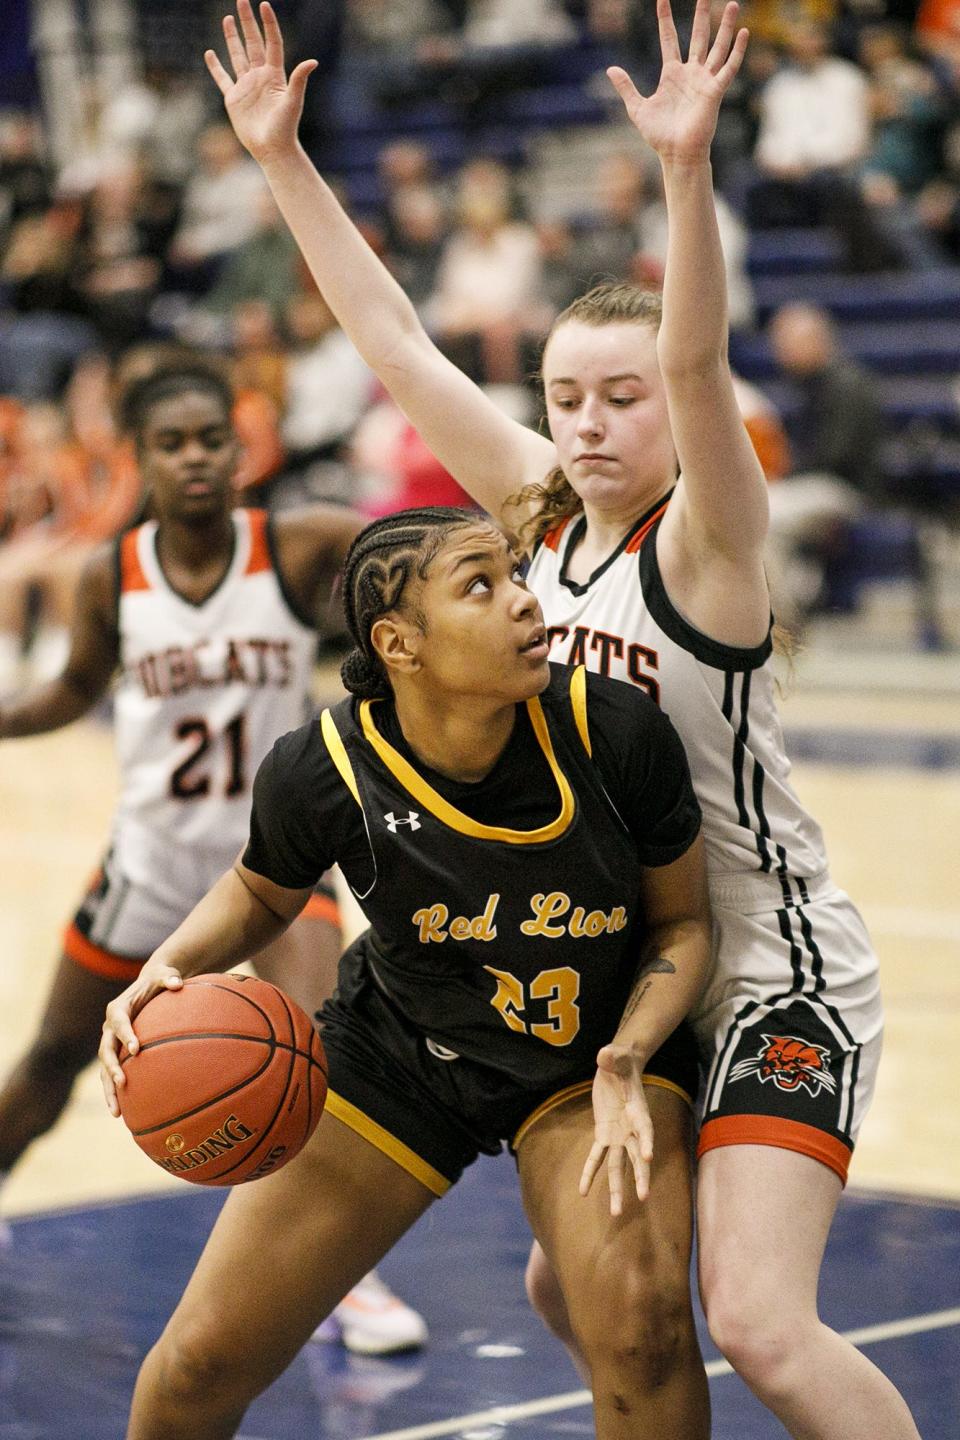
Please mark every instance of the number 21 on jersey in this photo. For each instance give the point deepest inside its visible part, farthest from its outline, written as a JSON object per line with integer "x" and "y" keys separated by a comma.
{"x": 192, "y": 779}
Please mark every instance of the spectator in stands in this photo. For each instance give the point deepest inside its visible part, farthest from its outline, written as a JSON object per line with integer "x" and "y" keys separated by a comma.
{"x": 264, "y": 267}
{"x": 937, "y": 31}
{"x": 259, "y": 385}
{"x": 220, "y": 209}
{"x": 938, "y": 204}
{"x": 158, "y": 115}
{"x": 11, "y": 416}
{"x": 814, "y": 137}
{"x": 907, "y": 106}
{"x": 118, "y": 270}
{"x": 381, "y": 26}
{"x": 835, "y": 435}
{"x": 494, "y": 24}
{"x": 25, "y": 180}
{"x": 68, "y": 500}
{"x": 909, "y": 110}
{"x": 652, "y": 237}
{"x": 320, "y": 31}
{"x": 411, "y": 49}
{"x": 764, "y": 425}
{"x": 328, "y": 389}
{"x": 42, "y": 335}
{"x": 404, "y": 165}
{"x": 488, "y": 306}
{"x": 814, "y": 112}
{"x": 396, "y": 469}
{"x": 610, "y": 240}
{"x": 418, "y": 232}
{"x": 624, "y": 237}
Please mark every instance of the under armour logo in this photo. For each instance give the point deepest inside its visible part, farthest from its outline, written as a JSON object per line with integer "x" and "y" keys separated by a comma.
{"x": 392, "y": 821}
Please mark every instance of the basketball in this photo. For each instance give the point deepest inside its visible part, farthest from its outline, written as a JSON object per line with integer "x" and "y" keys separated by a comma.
{"x": 229, "y": 1081}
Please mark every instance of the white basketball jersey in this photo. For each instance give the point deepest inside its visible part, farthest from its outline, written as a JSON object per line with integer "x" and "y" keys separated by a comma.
{"x": 720, "y": 698}
{"x": 203, "y": 693}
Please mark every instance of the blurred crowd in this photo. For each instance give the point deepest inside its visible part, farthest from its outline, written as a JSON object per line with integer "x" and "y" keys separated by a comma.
{"x": 158, "y": 233}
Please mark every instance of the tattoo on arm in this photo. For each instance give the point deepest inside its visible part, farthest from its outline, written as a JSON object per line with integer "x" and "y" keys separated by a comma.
{"x": 659, "y": 965}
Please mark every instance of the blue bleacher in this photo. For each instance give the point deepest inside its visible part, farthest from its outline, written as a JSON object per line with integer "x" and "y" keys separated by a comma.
{"x": 793, "y": 252}
{"x": 896, "y": 347}
{"x": 907, "y": 401}
{"x": 903, "y": 295}
{"x": 903, "y": 326}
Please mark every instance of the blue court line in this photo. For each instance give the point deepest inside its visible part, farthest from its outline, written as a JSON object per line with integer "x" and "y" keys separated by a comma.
{"x": 901, "y": 749}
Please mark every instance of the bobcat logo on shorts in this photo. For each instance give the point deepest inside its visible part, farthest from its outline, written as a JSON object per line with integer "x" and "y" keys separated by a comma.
{"x": 790, "y": 1063}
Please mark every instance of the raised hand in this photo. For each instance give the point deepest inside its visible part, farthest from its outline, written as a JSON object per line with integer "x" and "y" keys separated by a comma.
{"x": 679, "y": 118}
{"x": 623, "y": 1130}
{"x": 263, "y": 105}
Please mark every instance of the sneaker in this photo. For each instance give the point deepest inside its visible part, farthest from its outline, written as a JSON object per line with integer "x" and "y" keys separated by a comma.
{"x": 373, "y": 1321}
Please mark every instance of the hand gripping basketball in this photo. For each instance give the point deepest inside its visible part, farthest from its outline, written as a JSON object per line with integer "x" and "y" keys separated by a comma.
{"x": 228, "y": 1081}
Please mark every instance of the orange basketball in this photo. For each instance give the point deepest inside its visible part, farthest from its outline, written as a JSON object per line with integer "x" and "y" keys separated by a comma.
{"x": 229, "y": 1081}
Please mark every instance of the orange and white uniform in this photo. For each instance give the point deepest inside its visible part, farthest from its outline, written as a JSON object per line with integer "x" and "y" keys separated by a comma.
{"x": 790, "y": 1024}
{"x": 203, "y": 692}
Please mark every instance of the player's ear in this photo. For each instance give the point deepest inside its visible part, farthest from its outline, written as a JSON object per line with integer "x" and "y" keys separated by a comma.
{"x": 396, "y": 641}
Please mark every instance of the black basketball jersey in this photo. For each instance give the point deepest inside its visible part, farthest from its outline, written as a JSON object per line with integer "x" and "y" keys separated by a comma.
{"x": 515, "y": 948}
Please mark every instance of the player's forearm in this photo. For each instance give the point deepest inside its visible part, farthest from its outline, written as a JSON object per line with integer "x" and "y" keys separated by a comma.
{"x": 226, "y": 927}
{"x": 49, "y": 707}
{"x": 363, "y": 295}
{"x": 673, "y": 970}
{"x": 693, "y": 333}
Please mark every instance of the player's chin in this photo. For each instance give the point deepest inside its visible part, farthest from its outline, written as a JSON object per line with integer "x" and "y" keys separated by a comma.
{"x": 534, "y": 672}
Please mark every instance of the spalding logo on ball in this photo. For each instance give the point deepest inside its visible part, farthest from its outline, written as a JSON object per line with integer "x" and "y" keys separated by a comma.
{"x": 229, "y": 1081}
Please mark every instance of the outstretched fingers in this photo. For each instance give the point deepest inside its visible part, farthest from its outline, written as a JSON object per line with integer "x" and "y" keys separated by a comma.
{"x": 272, "y": 34}
{"x": 735, "y": 59}
{"x": 252, "y": 38}
{"x": 669, "y": 43}
{"x": 615, "y": 1178}
{"x": 720, "y": 48}
{"x": 221, "y": 77}
{"x": 235, "y": 49}
{"x": 591, "y": 1166}
{"x": 624, "y": 87}
{"x": 700, "y": 32}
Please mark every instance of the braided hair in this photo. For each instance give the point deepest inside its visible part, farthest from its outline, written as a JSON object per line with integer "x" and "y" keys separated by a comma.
{"x": 378, "y": 567}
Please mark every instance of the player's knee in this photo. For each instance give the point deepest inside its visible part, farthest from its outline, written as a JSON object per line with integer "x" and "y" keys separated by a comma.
{"x": 653, "y": 1333}
{"x": 751, "y": 1333}
{"x": 545, "y": 1295}
{"x": 194, "y": 1373}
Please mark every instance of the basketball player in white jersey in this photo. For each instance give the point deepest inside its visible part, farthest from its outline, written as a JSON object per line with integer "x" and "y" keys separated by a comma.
{"x": 658, "y": 577}
{"x": 208, "y": 617}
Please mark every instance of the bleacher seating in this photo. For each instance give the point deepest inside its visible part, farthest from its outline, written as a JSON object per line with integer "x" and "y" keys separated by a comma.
{"x": 903, "y": 326}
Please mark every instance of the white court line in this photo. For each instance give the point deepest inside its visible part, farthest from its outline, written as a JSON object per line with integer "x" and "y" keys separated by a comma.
{"x": 503, "y": 1414}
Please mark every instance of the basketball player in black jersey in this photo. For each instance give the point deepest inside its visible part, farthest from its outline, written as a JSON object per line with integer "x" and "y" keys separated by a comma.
{"x": 525, "y": 842}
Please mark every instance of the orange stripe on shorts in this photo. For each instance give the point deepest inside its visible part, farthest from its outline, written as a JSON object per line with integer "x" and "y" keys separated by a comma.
{"x": 322, "y": 907}
{"x": 776, "y": 1131}
{"x": 104, "y": 963}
